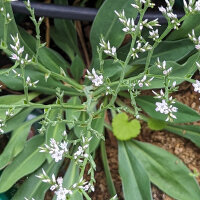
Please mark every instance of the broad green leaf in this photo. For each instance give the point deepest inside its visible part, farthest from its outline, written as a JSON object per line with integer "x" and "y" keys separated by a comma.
{"x": 71, "y": 177}
{"x": 155, "y": 124}
{"x": 25, "y": 163}
{"x": 178, "y": 70}
{"x": 16, "y": 142}
{"x": 48, "y": 57}
{"x": 46, "y": 87}
{"x": 54, "y": 131}
{"x": 166, "y": 50}
{"x": 106, "y": 23}
{"x": 72, "y": 114}
{"x": 165, "y": 170}
{"x": 98, "y": 125}
{"x": 135, "y": 181}
{"x": 184, "y": 114}
{"x": 190, "y": 132}
{"x": 191, "y": 22}
{"x": 52, "y": 60}
{"x": 77, "y": 68}
{"x": 17, "y": 120}
{"x": 33, "y": 187}
{"x": 124, "y": 129}
{"x": 64, "y": 35}
{"x": 13, "y": 100}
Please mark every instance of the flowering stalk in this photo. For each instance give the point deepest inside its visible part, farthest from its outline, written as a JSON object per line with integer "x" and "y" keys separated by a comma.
{"x": 37, "y": 27}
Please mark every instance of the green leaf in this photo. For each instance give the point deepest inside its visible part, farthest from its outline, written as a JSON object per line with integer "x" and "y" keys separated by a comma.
{"x": 16, "y": 142}
{"x": 13, "y": 100}
{"x": 166, "y": 50}
{"x": 107, "y": 23}
{"x": 135, "y": 181}
{"x": 124, "y": 129}
{"x": 52, "y": 60}
{"x": 190, "y": 132}
{"x": 25, "y": 163}
{"x": 98, "y": 125}
{"x": 72, "y": 114}
{"x": 155, "y": 124}
{"x": 165, "y": 170}
{"x": 180, "y": 71}
{"x": 191, "y": 22}
{"x": 64, "y": 35}
{"x": 17, "y": 120}
{"x": 71, "y": 177}
{"x": 77, "y": 68}
{"x": 48, "y": 57}
{"x": 33, "y": 187}
{"x": 46, "y": 87}
{"x": 184, "y": 114}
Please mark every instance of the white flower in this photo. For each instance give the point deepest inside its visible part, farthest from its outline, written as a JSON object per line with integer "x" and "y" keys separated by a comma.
{"x": 97, "y": 80}
{"x": 61, "y": 193}
{"x": 144, "y": 81}
{"x": 168, "y": 13}
{"x": 154, "y": 34}
{"x": 196, "y": 86}
{"x": 111, "y": 51}
{"x": 55, "y": 149}
{"x": 31, "y": 84}
{"x": 167, "y": 109}
{"x": 163, "y": 67}
{"x": 197, "y": 6}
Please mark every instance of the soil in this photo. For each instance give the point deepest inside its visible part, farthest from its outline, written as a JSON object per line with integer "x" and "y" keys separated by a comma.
{"x": 181, "y": 147}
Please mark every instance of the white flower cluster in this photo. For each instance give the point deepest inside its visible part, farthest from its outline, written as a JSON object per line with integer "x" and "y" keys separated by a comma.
{"x": 10, "y": 113}
{"x": 97, "y": 80}
{"x": 130, "y": 26}
{"x": 56, "y": 150}
{"x": 196, "y": 86}
{"x": 111, "y": 51}
{"x": 166, "y": 106}
{"x": 57, "y": 185}
{"x": 28, "y": 199}
{"x": 163, "y": 67}
{"x": 154, "y": 34}
{"x": 139, "y": 4}
{"x": 192, "y": 6}
{"x": 168, "y": 13}
{"x": 80, "y": 153}
{"x": 2, "y": 124}
{"x": 151, "y": 23}
{"x": 18, "y": 51}
{"x": 59, "y": 150}
{"x": 144, "y": 81}
{"x": 129, "y": 23}
{"x": 195, "y": 40}
{"x": 140, "y": 49}
{"x": 31, "y": 84}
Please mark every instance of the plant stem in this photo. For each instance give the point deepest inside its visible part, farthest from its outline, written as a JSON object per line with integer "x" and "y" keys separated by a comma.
{"x": 25, "y": 84}
{"x": 111, "y": 186}
{"x": 35, "y": 105}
